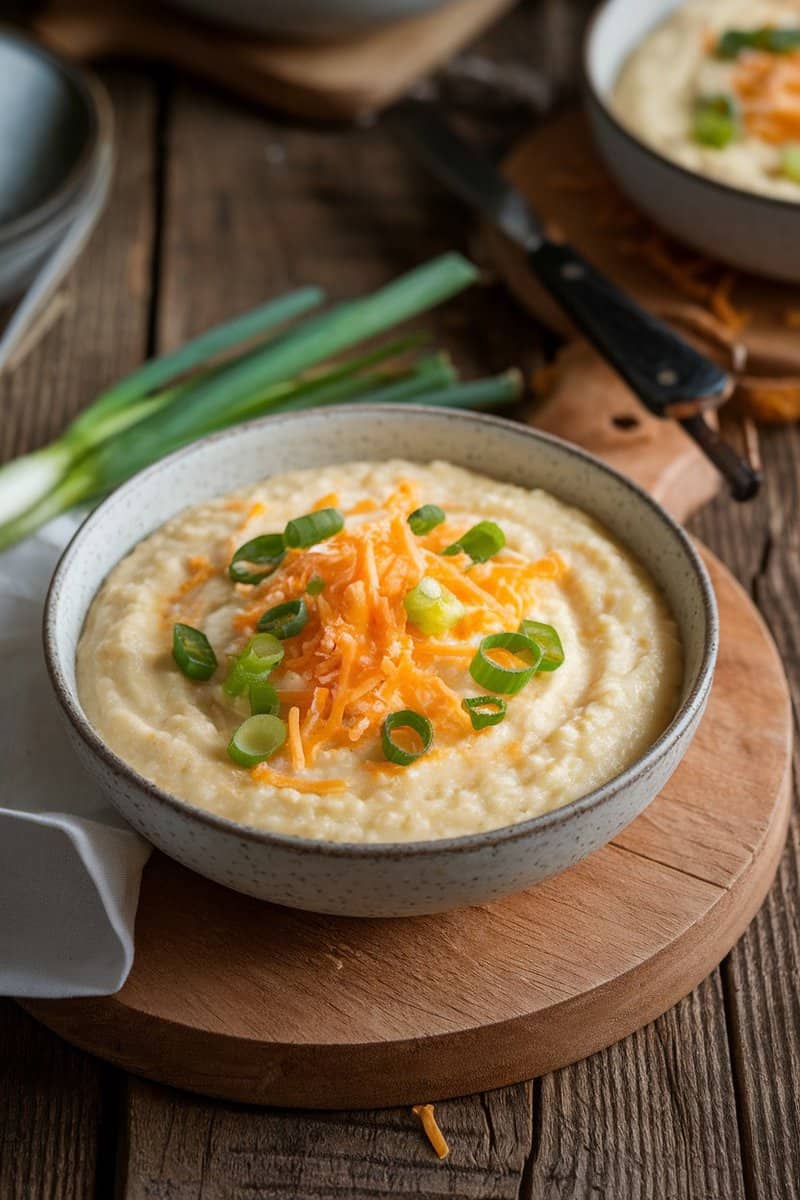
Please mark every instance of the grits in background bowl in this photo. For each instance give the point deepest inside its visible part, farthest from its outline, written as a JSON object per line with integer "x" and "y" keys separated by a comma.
{"x": 688, "y": 105}
{"x": 338, "y": 819}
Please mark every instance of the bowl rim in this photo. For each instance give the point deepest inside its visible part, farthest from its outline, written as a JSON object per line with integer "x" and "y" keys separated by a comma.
{"x": 673, "y": 734}
{"x": 98, "y": 106}
{"x": 596, "y": 96}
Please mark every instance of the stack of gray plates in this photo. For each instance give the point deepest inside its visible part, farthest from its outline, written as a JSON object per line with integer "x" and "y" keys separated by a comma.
{"x": 55, "y": 166}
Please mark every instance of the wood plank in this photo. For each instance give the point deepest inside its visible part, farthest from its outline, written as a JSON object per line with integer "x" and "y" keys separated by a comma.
{"x": 652, "y": 1116}
{"x": 762, "y": 972}
{"x": 57, "y": 1115}
{"x": 182, "y": 1148}
{"x": 51, "y": 1110}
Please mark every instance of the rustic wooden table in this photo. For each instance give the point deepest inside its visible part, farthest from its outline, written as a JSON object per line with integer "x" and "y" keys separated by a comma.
{"x": 214, "y": 207}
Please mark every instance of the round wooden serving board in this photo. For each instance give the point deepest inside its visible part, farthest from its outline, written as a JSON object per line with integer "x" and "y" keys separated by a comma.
{"x": 236, "y": 998}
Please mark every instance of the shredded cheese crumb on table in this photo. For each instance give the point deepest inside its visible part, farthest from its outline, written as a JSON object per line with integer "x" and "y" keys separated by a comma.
{"x": 430, "y": 1125}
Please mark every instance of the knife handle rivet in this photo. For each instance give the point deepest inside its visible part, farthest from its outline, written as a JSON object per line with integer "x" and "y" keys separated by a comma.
{"x": 667, "y": 377}
{"x": 572, "y": 270}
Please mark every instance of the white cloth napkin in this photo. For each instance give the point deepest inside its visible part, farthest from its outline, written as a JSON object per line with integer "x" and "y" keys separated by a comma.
{"x": 69, "y": 866}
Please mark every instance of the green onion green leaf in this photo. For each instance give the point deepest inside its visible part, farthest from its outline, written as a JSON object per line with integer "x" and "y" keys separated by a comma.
{"x": 715, "y": 120}
{"x": 257, "y": 739}
{"x": 315, "y": 585}
{"x": 267, "y": 551}
{"x": 423, "y": 520}
{"x": 285, "y": 620}
{"x": 546, "y": 637}
{"x": 260, "y": 656}
{"x": 773, "y": 39}
{"x": 790, "y": 162}
{"x": 406, "y": 718}
{"x": 485, "y": 710}
{"x": 264, "y": 698}
{"x": 193, "y": 652}
{"x": 507, "y": 680}
{"x": 312, "y": 528}
{"x": 480, "y": 542}
{"x": 432, "y": 607}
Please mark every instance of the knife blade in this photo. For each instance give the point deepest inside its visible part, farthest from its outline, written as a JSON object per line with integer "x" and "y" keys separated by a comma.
{"x": 664, "y": 371}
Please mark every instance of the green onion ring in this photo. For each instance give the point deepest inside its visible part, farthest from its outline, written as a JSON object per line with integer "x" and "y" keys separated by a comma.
{"x": 476, "y": 709}
{"x": 268, "y": 551}
{"x": 480, "y": 542}
{"x": 315, "y": 585}
{"x": 546, "y": 637}
{"x": 261, "y": 654}
{"x": 193, "y": 652}
{"x": 264, "y": 698}
{"x": 423, "y": 520}
{"x": 257, "y": 739}
{"x": 284, "y": 620}
{"x": 506, "y": 680}
{"x": 406, "y": 718}
{"x": 312, "y": 528}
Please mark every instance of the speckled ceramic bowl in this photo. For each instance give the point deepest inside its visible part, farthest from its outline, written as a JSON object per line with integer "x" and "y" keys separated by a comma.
{"x": 415, "y": 877}
{"x": 750, "y": 231}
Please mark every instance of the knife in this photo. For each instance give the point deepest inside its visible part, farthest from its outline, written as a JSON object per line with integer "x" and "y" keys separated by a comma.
{"x": 666, "y": 373}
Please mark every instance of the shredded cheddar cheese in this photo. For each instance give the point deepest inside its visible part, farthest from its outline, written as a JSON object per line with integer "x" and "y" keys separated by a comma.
{"x": 768, "y": 87}
{"x": 430, "y": 1125}
{"x": 358, "y": 658}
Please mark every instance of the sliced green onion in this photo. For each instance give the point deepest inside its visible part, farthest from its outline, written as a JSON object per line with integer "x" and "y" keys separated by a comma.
{"x": 715, "y": 120}
{"x": 193, "y": 652}
{"x": 285, "y": 620}
{"x": 485, "y": 710}
{"x": 261, "y": 654}
{"x": 264, "y": 698}
{"x": 776, "y": 39}
{"x": 268, "y": 551}
{"x": 790, "y": 162}
{"x": 315, "y": 585}
{"x": 480, "y": 542}
{"x": 406, "y": 719}
{"x": 432, "y": 607}
{"x": 546, "y": 637}
{"x": 507, "y": 680}
{"x": 257, "y": 739}
{"x": 313, "y": 527}
{"x": 423, "y": 520}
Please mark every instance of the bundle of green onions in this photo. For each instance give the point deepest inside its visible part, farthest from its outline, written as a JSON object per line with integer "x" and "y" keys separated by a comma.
{"x": 291, "y": 361}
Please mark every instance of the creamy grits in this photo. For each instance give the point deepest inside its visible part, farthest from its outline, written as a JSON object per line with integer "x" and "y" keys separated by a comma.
{"x": 360, "y": 656}
{"x": 682, "y": 65}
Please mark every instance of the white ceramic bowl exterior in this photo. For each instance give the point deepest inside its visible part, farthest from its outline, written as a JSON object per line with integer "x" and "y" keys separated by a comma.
{"x": 381, "y": 880}
{"x": 306, "y": 18}
{"x": 753, "y": 232}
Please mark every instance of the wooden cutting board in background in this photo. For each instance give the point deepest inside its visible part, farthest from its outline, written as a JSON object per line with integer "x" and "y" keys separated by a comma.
{"x": 324, "y": 80}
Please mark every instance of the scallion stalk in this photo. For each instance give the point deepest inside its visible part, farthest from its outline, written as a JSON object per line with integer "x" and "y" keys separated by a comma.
{"x": 26, "y": 480}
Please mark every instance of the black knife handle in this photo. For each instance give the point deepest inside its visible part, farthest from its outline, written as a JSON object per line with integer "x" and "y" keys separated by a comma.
{"x": 743, "y": 480}
{"x": 667, "y": 374}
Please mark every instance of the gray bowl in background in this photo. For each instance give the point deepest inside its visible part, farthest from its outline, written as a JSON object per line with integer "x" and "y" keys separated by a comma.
{"x": 55, "y": 155}
{"x": 750, "y": 231}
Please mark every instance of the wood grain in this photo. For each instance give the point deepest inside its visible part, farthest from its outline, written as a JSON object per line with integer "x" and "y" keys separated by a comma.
{"x": 762, "y": 971}
{"x": 183, "y": 1148}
